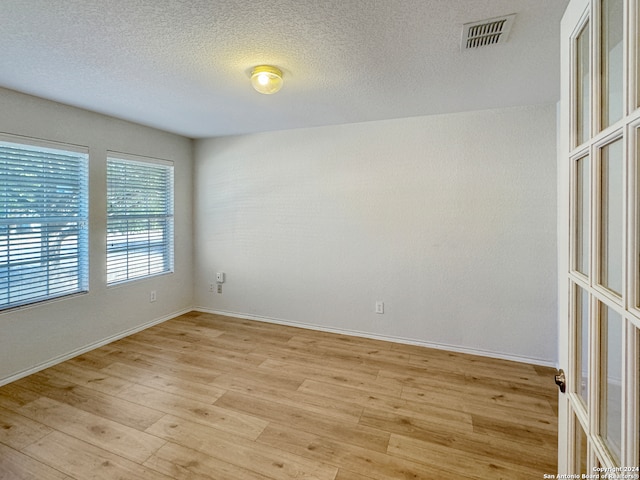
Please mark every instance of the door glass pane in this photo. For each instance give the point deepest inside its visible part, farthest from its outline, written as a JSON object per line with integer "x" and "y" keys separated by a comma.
{"x": 582, "y": 342}
{"x": 612, "y": 23}
{"x": 637, "y": 59}
{"x": 611, "y": 209}
{"x": 636, "y": 333}
{"x": 581, "y": 201}
{"x": 637, "y": 201}
{"x": 611, "y": 380}
{"x": 580, "y": 449}
{"x": 583, "y": 66}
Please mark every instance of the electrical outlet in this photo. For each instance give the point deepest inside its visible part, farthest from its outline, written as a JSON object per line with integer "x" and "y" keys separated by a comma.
{"x": 152, "y": 296}
{"x": 379, "y": 307}
{"x": 219, "y": 288}
{"x": 211, "y": 287}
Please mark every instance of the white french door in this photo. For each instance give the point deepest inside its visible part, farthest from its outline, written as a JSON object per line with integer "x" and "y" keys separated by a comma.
{"x": 599, "y": 236}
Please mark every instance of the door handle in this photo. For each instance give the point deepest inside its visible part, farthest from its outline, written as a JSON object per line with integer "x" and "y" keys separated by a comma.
{"x": 561, "y": 380}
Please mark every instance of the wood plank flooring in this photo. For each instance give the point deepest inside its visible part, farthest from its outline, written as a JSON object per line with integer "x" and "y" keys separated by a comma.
{"x": 210, "y": 397}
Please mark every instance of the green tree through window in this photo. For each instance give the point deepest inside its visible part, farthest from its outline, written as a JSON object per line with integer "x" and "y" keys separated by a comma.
{"x": 139, "y": 218}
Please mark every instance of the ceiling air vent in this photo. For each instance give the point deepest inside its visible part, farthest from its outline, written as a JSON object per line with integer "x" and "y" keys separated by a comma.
{"x": 486, "y": 32}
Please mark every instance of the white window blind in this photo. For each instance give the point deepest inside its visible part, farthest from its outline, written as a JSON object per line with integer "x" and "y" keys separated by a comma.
{"x": 43, "y": 223}
{"x": 139, "y": 218}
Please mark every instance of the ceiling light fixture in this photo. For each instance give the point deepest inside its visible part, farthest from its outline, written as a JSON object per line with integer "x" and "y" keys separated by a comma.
{"x": 266, "y": 79}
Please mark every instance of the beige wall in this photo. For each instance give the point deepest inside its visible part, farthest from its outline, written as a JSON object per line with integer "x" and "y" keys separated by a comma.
{"x": 35, "y": 336}
{"x": 450, "y": 220}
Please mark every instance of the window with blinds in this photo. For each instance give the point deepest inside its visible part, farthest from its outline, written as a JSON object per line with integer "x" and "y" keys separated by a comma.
{"x": 139, "y": 218}
{"x": 43, "y": 222}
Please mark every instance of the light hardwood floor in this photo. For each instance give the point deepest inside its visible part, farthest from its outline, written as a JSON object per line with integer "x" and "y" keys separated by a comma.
{"x": 209, "y": 397}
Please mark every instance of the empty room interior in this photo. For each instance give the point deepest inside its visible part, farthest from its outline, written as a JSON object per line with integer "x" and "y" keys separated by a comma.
{"x": 288, "y": 239}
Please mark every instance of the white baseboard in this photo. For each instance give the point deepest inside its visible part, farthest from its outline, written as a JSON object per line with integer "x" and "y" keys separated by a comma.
{"x": 406, "y": 341}
{"x": 91, "y": 346}
{"x": 353, "y": 333}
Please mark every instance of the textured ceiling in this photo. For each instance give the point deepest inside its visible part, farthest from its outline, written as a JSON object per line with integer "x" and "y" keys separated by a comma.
{"x": 183, "y": 65}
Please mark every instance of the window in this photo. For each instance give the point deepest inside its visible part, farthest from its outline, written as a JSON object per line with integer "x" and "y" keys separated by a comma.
{"x": 43, "y": 222}
{"x": 139, "y": 217}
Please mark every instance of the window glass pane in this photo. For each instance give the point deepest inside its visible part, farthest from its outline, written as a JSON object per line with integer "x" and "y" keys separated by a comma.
{"x": 637, "y": 59}
{"x": 582, "y": 342}
{"x": 612, "y": 23}
{"x": 581, "y": 201}
{"x": 583, "y": 67}
{"x": 611, "y": 380}
{"x": 43, "y": 223}
{"x": 139, "y": 219}
{"x": 637, "y": 201}
{"x": 611, "y": 209}
{"x": 580, "y": 448}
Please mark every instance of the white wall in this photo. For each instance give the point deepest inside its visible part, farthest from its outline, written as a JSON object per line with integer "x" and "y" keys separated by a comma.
{"x": 35, "y": 336}
{"x": 450, "y": 220}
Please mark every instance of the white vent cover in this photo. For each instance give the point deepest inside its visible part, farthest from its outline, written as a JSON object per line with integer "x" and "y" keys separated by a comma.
{"x": 486, "y": 32}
